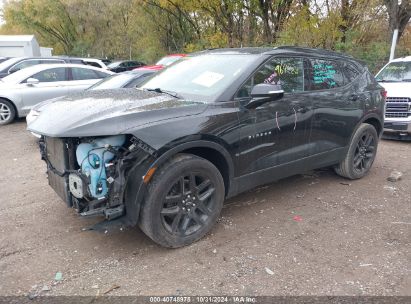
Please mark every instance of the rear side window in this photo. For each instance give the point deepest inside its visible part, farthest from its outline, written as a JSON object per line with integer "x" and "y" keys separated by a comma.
{"x": 325, "y": 74}
{"x": 84, "y": 74}
{"x": 51, "y": 61}
{"x": 101, "y": 75}
{"x": 76, "y": 61}
{"x": 51, "y": 75}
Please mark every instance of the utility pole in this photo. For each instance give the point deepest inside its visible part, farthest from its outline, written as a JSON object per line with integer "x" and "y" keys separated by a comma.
{"x": 393, "y": 44}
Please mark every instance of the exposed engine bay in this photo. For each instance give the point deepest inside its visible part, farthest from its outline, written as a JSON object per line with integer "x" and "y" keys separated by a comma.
{"x": 94, "y": 160}
{"x": 91, "y": 174}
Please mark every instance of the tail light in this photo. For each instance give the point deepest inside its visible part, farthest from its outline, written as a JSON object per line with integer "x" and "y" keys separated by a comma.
{"x": 384, "y": 94}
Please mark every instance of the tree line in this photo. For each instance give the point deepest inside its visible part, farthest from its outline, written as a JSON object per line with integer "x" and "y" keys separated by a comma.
{"x": 148, "y": 29}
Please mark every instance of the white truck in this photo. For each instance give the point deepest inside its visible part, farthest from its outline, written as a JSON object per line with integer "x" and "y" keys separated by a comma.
{"x": 395, "y": 77}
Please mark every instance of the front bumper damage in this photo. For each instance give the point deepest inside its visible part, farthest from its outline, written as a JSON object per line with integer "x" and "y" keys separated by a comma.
{"x": 120, "y": 206}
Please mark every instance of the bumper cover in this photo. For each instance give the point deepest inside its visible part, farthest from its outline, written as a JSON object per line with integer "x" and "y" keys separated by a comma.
{"x": 398, "y": 125}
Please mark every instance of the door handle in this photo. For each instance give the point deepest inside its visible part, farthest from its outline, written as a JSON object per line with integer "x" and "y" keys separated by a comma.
{"x": 354, "y": 97}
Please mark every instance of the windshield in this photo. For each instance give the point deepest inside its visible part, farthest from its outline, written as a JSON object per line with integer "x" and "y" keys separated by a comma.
{"x": 203, "y": 77}
{"x": 395, "y": 72}
{"x": 166, "y": 61}
{"x": 113, "y": 82}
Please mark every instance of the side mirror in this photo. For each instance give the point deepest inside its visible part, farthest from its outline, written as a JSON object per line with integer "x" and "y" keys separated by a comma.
{"x": 32, "y": 81}
{"x": 264, "y": 92}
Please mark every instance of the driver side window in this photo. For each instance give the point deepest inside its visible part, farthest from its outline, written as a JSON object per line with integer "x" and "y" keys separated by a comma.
{"x": 287, "y": 72}
{"x": 51, "y": 75}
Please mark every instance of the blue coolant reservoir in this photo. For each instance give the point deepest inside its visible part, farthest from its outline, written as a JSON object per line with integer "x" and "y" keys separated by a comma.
{"x": 93, "y": 156}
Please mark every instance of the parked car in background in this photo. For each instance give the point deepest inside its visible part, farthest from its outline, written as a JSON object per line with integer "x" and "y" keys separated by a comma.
{"x": 106, "y": 61}
{"x": 15, "y": 64}
{"x": 163, "y": 62}
{"x": 98, "y": 63}
{"x": 125, "y": 65}
{"x": 129, "y": 79}
{"x": 395, "y": 77}
{"x": 20, "y": 91}
{"x": 215, "y": 124}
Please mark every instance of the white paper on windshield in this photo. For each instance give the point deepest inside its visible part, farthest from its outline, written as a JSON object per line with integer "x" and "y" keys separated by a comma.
{"x": 208, "y": 79}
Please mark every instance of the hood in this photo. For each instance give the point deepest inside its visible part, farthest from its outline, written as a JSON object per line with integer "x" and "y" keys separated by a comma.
{"x": 397, "y": 89}
{"x": 108, "y": 112}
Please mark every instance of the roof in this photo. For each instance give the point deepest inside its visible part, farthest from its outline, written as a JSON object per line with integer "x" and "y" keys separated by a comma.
{"x": 17, "y": 38}
{"x": 277, "y": 50}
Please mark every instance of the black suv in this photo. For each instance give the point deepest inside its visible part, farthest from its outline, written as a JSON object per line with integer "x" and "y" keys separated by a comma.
{"x": 217, "y": 123}
{"x": 15, "y": 64}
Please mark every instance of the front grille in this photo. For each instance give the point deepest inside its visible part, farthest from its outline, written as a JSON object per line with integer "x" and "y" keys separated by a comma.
{"x": 396, "y": 115}
{"x": 397, "y": 107}
{"x": 398, "y": 99}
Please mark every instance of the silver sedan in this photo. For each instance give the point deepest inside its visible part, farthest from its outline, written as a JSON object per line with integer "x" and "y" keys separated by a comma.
{"x": 22, "y": 90}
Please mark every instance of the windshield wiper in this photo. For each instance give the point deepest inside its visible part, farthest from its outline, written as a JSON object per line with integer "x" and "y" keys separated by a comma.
{"x": 406, "y": 80}
{"x": 171, "y": 93}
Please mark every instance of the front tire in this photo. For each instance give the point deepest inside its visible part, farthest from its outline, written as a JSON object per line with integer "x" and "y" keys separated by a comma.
{"x": 361, "y": 153}
{"x": 7, "y": 112}
{"x": 184, "y": 201}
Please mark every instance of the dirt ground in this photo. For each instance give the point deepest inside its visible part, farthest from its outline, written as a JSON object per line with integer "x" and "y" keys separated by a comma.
{"x": 312, "y": 234}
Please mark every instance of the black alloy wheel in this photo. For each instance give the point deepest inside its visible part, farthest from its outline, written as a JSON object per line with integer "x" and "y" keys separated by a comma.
{"x": 361, "y": 153}
{"x": 188, "y": 204}
{"x": 365, "y": 152}
{"x": 183, "y": 201}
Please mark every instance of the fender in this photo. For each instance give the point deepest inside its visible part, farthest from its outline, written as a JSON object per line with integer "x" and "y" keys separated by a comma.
{"x": 196, "y": 144}
{"x": 366, "y": 117}
{"x": 136, "y": 189}
{"x": 16, "y": 104}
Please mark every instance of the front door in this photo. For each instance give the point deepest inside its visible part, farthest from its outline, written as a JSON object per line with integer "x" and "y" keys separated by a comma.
{"x": 52, "y": 83}
{"x": 277, "y": 132}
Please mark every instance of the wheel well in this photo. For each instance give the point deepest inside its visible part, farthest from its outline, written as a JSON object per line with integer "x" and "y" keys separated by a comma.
{"x": 214, "y": 157}
{"x": 12, "y": 103}
{"x": 375, "y": 123}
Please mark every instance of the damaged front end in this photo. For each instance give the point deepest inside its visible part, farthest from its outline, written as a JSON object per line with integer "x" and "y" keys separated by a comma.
{"x": 99, "y": 176}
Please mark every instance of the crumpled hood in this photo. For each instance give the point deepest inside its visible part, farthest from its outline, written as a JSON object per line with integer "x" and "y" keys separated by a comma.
{"x": 397, "y": 89}
{"x": 108, "y": 112}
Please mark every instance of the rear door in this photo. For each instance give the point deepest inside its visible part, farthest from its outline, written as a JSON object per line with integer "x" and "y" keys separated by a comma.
{"x": 83, "y": 78}
{"x": 338, "y": 103}
{"x": 52, "y": 83}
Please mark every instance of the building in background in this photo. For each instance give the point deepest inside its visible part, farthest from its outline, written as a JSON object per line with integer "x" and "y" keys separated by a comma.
{"x": 22, "y": 46}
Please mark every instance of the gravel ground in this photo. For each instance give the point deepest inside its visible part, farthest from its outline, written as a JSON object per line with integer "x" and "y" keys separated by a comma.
{"x": 311, "y": 234}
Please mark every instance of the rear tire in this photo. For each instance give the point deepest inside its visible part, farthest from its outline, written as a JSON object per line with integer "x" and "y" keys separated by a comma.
{"x": 361, "y": 153}
{"x": 7, "y": 112}
{"x": 184, "y": 200}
